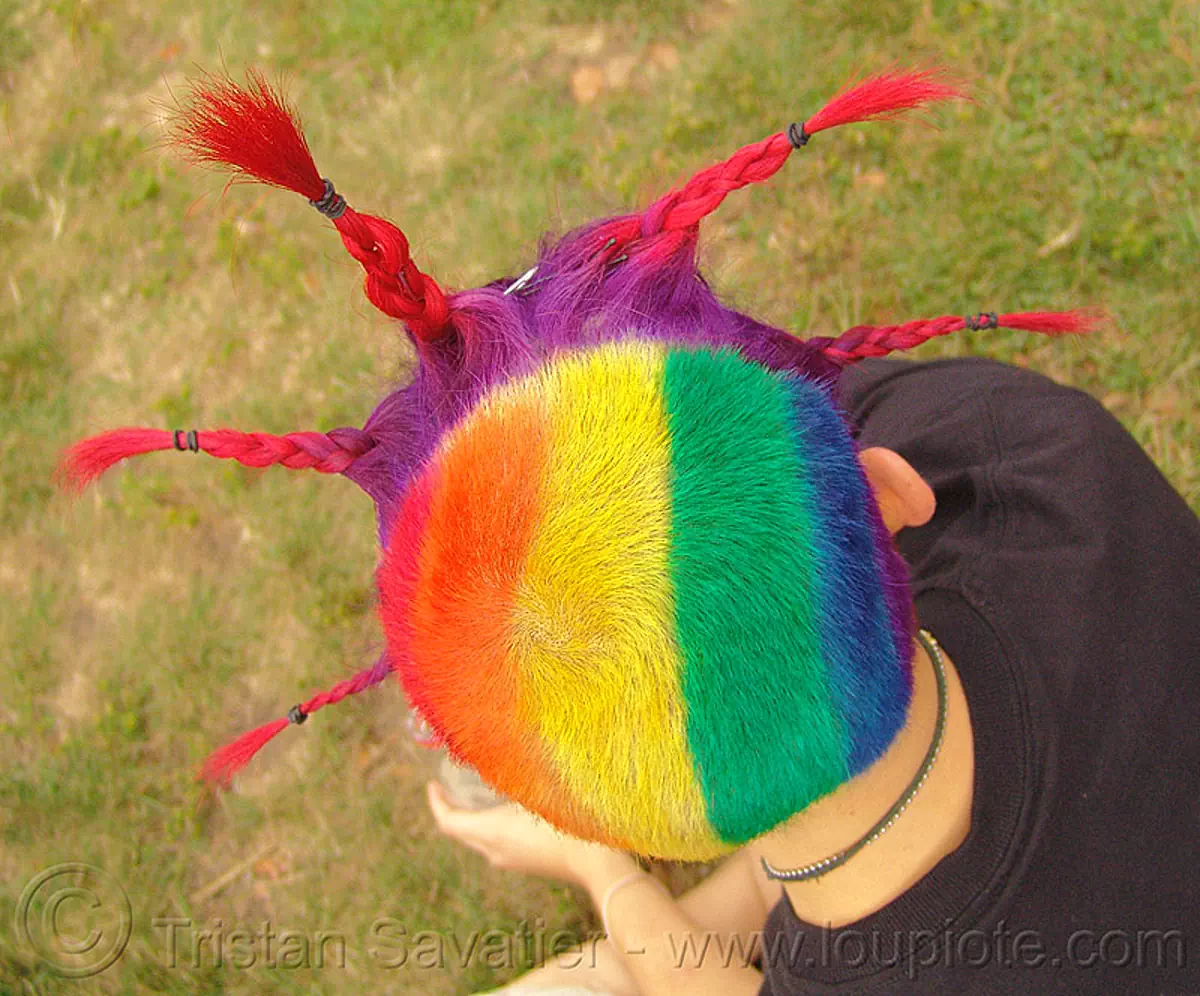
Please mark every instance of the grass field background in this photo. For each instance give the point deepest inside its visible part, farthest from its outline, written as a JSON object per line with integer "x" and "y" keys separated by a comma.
{"x": 184, "y": 600}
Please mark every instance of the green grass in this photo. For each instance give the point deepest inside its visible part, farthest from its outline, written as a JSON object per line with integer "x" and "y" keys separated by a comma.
{"x": 182, "y": 601}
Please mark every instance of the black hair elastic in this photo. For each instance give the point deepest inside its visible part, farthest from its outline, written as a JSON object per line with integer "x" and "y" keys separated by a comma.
{"x": 296, "y": 716}
{"x": 331, "y": 203}
{"x": 797, "y": 135}
{"x": 984, "y": 320}
{"x": 191, "y": 440}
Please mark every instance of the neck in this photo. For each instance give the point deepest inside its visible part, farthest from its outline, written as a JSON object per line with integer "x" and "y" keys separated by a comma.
{"x": 934, "y": 824}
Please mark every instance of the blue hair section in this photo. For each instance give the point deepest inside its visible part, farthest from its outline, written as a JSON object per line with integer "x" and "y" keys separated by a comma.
{"x": 869, "y": 666}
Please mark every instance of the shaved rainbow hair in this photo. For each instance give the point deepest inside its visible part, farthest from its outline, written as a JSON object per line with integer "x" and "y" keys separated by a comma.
{"x": 643, "y": 553}
{"x": 631, "y": 569}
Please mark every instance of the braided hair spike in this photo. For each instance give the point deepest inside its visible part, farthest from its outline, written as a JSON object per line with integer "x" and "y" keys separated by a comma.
{"x": 868, "y": 341}
{"x": 252, "y": 131}
{"x": 883, "y": 95}
{"x": 326, "y": 453}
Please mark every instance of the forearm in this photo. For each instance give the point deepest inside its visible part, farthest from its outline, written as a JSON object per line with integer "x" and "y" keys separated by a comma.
{"x": 728, "y": 904}
{"x": 729, "y": 901}
{"x": 660, "y": 943}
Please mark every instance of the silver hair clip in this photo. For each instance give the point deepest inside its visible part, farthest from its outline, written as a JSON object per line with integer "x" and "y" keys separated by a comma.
{"x": 521, "y": 281}
{"x": 604, "y": 248}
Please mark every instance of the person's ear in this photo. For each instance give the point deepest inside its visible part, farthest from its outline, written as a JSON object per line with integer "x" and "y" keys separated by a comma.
{"x": 903, "y": 496}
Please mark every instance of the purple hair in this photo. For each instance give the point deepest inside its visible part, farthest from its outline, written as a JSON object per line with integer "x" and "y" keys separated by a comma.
{"x": 577, "y": 296}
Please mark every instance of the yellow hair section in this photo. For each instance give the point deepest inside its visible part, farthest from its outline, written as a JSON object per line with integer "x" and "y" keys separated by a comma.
{"x": 594, "y": 614}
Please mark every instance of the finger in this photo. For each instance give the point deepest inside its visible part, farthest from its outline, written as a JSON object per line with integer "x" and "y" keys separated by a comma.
{"x": 450, "y": 818}
{"x": 439, "y": 805}
{"x": 445, "y": 815}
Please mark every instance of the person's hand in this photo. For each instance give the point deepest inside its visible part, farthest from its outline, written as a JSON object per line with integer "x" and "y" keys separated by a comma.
{"x": 513, "y": 838}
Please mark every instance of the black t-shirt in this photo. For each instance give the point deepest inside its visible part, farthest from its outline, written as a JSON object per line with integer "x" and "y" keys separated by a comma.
{"x": 1061, "y": 573}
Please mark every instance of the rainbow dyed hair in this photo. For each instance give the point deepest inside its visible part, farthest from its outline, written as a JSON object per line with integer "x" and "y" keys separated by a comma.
{"x": 631, "y": 568}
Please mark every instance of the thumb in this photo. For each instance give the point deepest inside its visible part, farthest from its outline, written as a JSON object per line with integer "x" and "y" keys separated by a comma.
{"x": 450, "y": 818}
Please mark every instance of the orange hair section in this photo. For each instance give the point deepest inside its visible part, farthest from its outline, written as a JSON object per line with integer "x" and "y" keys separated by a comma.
{"x": 481, "y": 519}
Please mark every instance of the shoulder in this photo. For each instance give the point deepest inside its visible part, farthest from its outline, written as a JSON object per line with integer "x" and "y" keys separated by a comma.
{"x": 894, "y": 398}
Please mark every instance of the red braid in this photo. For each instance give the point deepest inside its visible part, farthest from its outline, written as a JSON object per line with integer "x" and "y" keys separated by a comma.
{"x": 393, "y": 283}
{"x": 881, "y": 96}
{"x": 326, "y": 453}
{"x": 254, "y": 132}
{"x": 226, "y": 762}
{"x": 864, "y": 341}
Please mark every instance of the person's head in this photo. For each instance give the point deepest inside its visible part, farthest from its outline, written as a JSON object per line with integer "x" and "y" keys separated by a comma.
{"x": 635, "y": 570}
